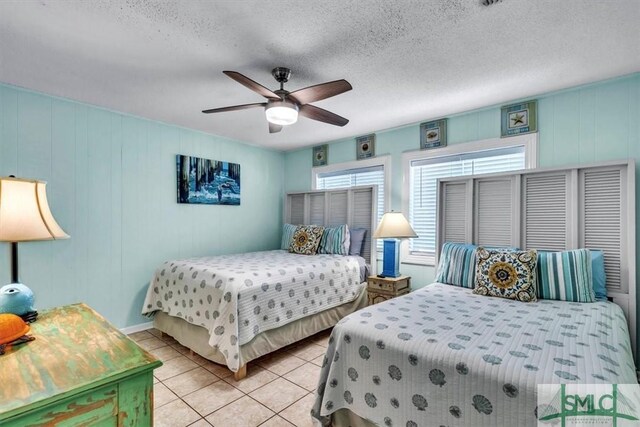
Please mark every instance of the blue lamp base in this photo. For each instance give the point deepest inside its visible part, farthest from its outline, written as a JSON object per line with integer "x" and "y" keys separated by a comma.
{"x": 391, "y": 258}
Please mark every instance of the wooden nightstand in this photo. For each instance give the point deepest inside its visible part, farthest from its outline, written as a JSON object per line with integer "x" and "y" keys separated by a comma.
{"x": 80, "y": 370}
{"x": 384, "y": 288}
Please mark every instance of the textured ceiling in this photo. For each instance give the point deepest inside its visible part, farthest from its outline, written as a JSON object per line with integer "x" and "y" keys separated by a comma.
{"x": 408, "y": 61}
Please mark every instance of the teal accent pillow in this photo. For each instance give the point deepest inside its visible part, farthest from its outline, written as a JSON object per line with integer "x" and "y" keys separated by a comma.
{"x": 506, "y": 274}
{"x": 457, "y": 264}
{"x": 335, "y": 240}
{"x": 287, "y": 236}
{"x": 599, "y": 276}
{"x": 565, "y": 276}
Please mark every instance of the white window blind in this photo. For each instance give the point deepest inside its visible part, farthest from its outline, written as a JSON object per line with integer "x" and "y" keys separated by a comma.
{"x": 424, "y": 174}
{"x": 373, "y": 175}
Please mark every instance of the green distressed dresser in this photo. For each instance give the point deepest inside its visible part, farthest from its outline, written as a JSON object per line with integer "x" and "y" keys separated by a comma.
{"x": 79, "y": 371}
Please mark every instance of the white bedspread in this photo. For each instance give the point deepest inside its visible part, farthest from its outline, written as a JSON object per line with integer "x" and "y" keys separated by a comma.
{"x": 235, "y": 297}
{"x": 444, "y": 356}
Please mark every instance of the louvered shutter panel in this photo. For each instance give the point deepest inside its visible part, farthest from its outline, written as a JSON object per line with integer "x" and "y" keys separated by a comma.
{"x": 494, "y": 211}
{"x": 316, "y": 208}
{"x": 338, "y": 208}
{"x": 454, "y": 224}
{"x": 362, "y": 219}
{"x": 296, "y": 209}
{"x": 602, "y": 220}
{"x": 373, "y": 177}
{"x": 545, "y": 211}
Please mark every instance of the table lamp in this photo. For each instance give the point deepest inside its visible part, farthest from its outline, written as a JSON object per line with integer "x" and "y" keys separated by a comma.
{"x": 393, "y": 226}
{"x": 24, "y": 217}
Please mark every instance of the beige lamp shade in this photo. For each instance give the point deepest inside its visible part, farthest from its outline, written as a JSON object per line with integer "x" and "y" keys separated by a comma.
{"x": 394, "y": 225}
{"x": 24, "y": 212}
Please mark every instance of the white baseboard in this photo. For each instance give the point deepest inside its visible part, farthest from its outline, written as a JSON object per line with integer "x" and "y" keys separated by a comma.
{"x": 137, "y": 328}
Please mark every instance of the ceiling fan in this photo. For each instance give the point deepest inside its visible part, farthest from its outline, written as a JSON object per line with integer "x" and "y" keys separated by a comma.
{"x": 282, "y": 107}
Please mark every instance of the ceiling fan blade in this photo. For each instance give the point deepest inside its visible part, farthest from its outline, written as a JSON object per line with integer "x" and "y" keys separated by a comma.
{"x": 321, "y": 91}
{"x": 321, "y": 115}
{"x": 273, "y": 128}
{"x": 254, "y": 86}
{"x": 234, "y": 108}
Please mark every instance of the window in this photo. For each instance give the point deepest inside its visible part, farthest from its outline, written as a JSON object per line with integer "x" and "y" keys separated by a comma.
{"x": 351, "y": 174}
{"x": 422, "y": 169}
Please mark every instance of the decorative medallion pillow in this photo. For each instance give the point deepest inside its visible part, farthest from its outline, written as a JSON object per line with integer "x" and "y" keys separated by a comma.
{"x": 506, "y": 274}
{"x": 306, "y": 239}
{"x": 566, "y": 276}
{"x": 287, "y": 235}
{"x": 335, "y": 240}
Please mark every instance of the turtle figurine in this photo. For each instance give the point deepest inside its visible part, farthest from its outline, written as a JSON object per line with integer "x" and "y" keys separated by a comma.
{"x": 13, "y": 331}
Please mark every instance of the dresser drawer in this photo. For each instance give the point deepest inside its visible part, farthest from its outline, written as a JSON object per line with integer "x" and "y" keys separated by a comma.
{"x": 387, "y": 286}
{"x": 95, "y": 408}
{"x": 379, "y": 285}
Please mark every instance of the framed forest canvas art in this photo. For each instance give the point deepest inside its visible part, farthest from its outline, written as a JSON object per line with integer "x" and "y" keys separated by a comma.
{"x": 209, "y": 182}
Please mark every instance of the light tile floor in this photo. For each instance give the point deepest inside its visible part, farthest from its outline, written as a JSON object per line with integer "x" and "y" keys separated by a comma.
{"x": 192, "y": 391}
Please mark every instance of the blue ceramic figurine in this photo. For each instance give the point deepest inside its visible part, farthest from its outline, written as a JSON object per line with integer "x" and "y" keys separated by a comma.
{"x": 16, "y": 298}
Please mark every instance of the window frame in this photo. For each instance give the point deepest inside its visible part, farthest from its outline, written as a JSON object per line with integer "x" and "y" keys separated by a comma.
{"x": 529, "y": 141}
{"x": 384, "y": 161}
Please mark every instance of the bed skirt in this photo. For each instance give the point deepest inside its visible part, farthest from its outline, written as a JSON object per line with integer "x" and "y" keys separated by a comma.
{"x": 196, "y": 338}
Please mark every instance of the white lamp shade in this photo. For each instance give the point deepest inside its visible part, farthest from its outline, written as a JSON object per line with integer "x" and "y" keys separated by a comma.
{"x": 394, "y": 225}
{"x": 281, "y": 112}
{"x": 24, "y": 212}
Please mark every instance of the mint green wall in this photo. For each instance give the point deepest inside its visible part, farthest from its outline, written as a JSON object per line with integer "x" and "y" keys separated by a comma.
{"x": 112, "y": 187}
{"x": 580, "y": 125}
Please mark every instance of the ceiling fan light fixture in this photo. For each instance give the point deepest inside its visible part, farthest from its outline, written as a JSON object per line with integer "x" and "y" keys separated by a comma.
{"x": 281, "y": 112}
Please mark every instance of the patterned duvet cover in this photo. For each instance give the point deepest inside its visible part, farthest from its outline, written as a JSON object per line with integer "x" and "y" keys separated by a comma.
{"x": 442, "y": 356}
{"x": 235, "y": 297}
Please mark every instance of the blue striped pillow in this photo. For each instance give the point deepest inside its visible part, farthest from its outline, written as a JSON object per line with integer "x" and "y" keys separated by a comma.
{"x": 335, "y": 240}
{"x": 457, "y": 265}
{"x": 287, "y": 235}
{"x": 565, "y": 276}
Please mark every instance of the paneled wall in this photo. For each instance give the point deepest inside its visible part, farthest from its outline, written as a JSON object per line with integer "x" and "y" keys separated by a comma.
{"x": 580, "y": 125}
{"x": 112, "y": 187}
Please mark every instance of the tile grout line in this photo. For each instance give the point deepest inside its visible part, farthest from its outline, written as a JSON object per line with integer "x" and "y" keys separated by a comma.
{"x": 267, "y": 420}
{"x": 275, "y": 414}
{"x": 293, "y": 403}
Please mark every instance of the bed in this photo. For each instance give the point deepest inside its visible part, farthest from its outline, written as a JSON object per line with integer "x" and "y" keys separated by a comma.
{"x": 443, "y": 355}
{"x": 232, "y": 309}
